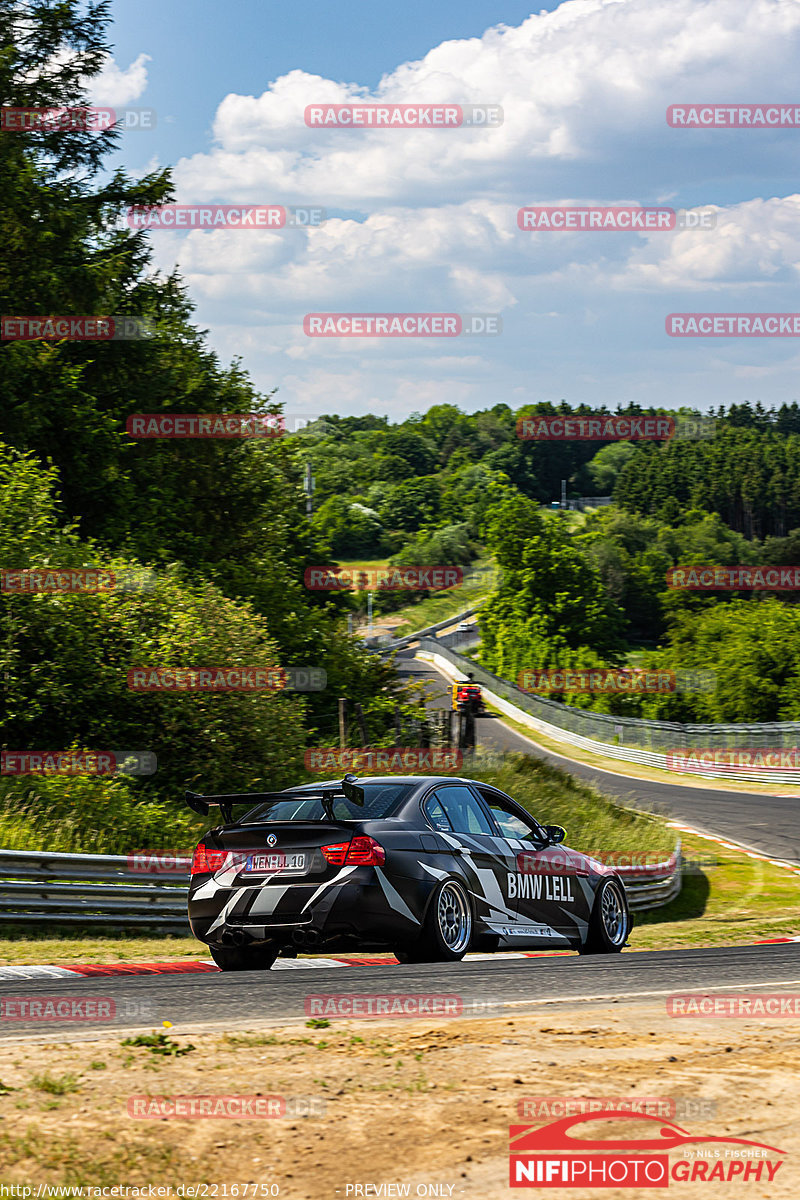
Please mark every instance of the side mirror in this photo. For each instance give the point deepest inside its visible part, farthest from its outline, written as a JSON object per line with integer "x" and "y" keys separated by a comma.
{"x": 555, "y": 834}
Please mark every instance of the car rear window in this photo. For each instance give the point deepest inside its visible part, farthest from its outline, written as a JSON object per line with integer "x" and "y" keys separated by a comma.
{"x": 380, "y": 800}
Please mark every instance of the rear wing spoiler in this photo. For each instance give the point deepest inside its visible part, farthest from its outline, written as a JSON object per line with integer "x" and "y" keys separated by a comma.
{"x": 348, "y": 789}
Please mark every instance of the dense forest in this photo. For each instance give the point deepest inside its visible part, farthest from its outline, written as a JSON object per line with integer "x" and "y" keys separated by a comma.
{"x": 581, "y": 589}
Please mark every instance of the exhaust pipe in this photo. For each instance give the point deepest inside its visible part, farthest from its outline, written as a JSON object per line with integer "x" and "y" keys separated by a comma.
{"x": 306, "y": 937}
{"x": 234, "y": 937}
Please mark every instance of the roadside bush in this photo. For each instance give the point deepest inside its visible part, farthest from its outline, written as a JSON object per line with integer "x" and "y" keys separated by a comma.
{"x": 84, "y": 814}
{"x": 595, "y": 823}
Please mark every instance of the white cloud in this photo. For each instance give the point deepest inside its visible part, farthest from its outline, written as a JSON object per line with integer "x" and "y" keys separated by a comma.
{"x": 585, "y": 85}
{"x": 756, "y": 243}
{"x": 584, "y": 91}
{"x": 115, "y": 86}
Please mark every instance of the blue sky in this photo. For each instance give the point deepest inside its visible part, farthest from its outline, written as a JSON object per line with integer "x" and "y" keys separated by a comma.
{"x": 425, "y": 221}
{"x": 201, "y": 49}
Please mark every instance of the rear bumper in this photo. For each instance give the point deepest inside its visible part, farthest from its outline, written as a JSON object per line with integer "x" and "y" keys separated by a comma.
{"x": 355, "y": 908}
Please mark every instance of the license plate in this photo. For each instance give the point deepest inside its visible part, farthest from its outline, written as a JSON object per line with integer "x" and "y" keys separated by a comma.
{"x": 265, "y": 863}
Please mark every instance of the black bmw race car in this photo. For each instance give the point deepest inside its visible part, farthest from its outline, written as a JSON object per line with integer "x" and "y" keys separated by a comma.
{"x": 428, "y": 867}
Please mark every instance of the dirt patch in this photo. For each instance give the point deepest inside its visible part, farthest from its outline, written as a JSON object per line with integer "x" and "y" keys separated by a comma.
{"x": 401, "y": 1102}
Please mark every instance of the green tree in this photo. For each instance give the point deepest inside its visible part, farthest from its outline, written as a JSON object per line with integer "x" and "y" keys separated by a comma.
{"x": 752, "y": 647}
{"x": 607, "y": 464}
{"x": 551, "y": 608}
{"x": 65, "y": 659}
{"x": 352, "y": 530}
{"x": 411, "y": 504}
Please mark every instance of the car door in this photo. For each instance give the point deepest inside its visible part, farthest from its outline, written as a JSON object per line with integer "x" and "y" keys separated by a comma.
{"x": 484, "y": 854}
{"x": 549, "y": 885}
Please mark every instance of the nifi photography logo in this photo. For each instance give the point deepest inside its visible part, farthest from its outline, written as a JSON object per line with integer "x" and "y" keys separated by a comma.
{"x": 570, "y": 1153}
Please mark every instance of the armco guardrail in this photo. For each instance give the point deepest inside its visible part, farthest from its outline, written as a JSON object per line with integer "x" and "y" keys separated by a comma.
{"x": 90, "y": 889}
{"x": 653, "y": 885}
{"x": 385, "y": 644}
{"x": 103, "y": 890}
{"x": 631, "y": 739}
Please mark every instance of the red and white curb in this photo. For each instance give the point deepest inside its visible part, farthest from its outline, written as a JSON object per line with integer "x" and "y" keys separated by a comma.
{"x": 740, "y": 846}
{"x": 205, "y": 967}
{"x": 201, "y": 967}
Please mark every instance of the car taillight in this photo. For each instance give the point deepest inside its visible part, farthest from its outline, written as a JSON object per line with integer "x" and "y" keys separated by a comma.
{"x": 336, "y": 854}
{"x": 205, "y": 861}
{"x": 363, "y": 851}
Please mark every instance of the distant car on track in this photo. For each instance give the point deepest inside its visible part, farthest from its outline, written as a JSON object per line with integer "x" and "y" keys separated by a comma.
{"x": 467, "y": 694}
{"x": 428, "y": 867}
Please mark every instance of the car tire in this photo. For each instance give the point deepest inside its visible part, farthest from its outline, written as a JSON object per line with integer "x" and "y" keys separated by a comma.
{"x": 244, "y": 958}
{"x": 447, "y": 929}
{"x": 610, "y": 922}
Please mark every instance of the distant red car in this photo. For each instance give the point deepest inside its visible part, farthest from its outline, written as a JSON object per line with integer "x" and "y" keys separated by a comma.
{"x": 468, "y": 693}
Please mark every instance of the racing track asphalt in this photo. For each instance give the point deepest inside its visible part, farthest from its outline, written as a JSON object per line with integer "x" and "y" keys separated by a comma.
{"x": 487, "y": 986}
{"x": 769, "y": 824}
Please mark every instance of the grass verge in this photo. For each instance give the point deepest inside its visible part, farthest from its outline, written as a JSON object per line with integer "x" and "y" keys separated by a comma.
{"x": 737, "y": 900}
{"x": 24, "y": 948}
{"x": 441, "y": 605}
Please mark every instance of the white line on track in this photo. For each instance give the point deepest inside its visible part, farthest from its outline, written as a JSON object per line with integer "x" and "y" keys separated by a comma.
{"x": 702, "y": 991}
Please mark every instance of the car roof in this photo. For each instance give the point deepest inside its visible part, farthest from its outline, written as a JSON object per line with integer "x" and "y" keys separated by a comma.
{"x": 410, "y": 779}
